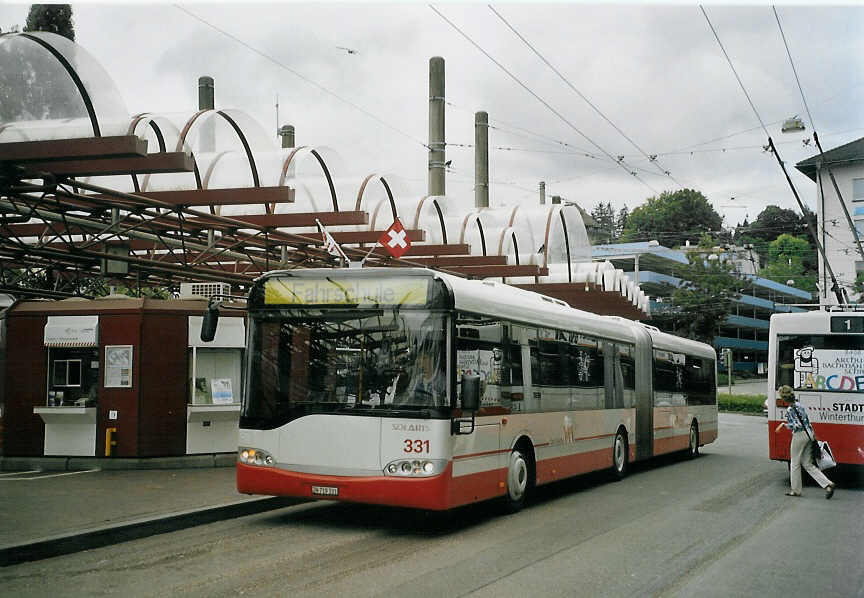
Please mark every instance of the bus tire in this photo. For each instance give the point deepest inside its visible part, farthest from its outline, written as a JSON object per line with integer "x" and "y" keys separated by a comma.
{"x": 693, "y": 446}
{"x": 518, "y": 480}
{"x": 620, "y": 454}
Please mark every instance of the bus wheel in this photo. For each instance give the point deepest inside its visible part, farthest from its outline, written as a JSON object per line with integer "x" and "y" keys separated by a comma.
{"x": 620, "y": 455}
{"x": 517, "y": 481}
{"x": 693, "y": 448}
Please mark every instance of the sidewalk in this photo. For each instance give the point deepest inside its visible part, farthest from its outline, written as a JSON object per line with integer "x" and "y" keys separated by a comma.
{"x": 57, "y": 512}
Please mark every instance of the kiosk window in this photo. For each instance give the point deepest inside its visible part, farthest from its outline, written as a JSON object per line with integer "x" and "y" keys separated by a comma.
{"x": 216, "y": 376}
{"x": 73, "y": 377}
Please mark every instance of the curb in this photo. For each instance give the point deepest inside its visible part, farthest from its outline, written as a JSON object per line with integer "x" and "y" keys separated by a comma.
{"x": 205, "y": 461}
{"x": 52, "y": 546}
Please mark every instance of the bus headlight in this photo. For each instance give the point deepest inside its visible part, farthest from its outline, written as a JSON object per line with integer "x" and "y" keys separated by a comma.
{"x": 414, "y": 468}
{"x": 252, "y": 456}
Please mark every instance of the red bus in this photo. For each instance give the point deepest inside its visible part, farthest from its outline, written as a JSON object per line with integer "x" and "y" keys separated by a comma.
{"x": 821, "y": 355}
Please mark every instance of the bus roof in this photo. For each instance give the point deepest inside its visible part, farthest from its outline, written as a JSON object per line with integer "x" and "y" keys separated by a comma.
{"x": 496, "y": 299}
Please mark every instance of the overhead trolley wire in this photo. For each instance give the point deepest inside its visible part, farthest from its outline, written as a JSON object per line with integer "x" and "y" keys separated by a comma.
{"x": 652, "y": 159}
{"x": 302, "y": 77}
{"x": 620, "y": 163}
{"x": 838, "y": 292}
{"x": 818, "y": 144}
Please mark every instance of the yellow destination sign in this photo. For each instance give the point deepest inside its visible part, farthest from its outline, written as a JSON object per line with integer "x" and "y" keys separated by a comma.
{"x": 339, "y": 291}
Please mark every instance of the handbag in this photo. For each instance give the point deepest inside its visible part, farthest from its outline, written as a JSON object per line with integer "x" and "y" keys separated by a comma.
{"x": 826, "y": 458}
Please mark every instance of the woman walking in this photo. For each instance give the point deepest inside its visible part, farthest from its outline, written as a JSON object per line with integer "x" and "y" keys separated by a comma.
{"x": 800, "y": 451}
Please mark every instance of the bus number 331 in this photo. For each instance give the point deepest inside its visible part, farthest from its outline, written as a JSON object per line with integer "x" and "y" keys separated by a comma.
{"x": 415, "y": 446}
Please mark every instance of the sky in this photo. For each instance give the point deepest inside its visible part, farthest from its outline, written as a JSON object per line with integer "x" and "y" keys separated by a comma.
{"x": 655, "y": 71}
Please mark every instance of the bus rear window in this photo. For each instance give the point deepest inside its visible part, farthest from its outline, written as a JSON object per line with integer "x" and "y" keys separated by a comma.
{"x": 827, "y": 363}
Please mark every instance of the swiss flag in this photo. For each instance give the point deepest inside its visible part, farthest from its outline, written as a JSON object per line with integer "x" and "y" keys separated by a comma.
{"x": 395, "y": 239}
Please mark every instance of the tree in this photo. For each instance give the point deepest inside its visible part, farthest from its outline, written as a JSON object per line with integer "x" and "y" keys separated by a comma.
{"x": 54, "y": 18}
{"x": 785, "y": 261}
{"x": 621, "y": 222}
{"x": 672, "y": 218}
{"x": 704, "y": 299}
{"x": 604, "y": 217}
{"x": 773, "y": 222}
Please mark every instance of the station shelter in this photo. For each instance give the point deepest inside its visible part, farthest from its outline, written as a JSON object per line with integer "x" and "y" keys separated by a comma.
{"x": 118, "y": 377}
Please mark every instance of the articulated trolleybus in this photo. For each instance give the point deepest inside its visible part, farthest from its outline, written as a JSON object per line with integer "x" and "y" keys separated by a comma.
{"x": 410, "y": 387}
{"x": 821, "y": 355}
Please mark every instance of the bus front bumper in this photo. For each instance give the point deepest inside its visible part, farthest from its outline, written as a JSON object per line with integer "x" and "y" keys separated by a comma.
{"x": 431, "y": 493}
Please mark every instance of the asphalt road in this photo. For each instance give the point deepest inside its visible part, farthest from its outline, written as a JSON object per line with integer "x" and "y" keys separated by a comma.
{"x": 715, "y": 526}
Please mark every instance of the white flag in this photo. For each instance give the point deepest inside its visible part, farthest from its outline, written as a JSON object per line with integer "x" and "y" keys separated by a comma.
{"x": 330, "y": 244}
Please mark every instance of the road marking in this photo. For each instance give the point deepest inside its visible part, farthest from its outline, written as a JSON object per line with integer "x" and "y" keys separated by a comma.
{"x": 3, "y": 475}
{"x": 50, "y": 475}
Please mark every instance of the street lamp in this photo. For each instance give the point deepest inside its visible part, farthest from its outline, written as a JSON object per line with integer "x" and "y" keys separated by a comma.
{"x": 792, "y": 125}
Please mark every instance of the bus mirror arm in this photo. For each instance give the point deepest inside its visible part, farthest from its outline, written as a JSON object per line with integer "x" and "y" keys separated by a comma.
{"x": 470, "y": 393}
{"x": 211, "y": 320}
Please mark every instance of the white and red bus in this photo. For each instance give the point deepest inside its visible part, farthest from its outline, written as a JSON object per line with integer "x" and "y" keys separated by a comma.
{"x": 410, "y": 387}
{"x": 821, "y": 355}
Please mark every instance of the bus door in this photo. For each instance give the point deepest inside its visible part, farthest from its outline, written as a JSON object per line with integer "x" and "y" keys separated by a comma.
{"x": 481, "y": 346}
{"x": 612, "y": 373}
{"x": 644, "y": 359}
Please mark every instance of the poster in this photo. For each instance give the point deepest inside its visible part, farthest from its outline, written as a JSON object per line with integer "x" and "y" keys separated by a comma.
{"x": 221, "y": 391}
{"x": 486, "y": 364}
{"x": 829, "y": 369}
{"x": 118, "y": 366}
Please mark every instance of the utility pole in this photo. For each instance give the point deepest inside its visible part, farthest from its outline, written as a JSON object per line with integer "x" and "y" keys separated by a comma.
{"x": 481, "y": 160}
{"x": 436, "y": 126}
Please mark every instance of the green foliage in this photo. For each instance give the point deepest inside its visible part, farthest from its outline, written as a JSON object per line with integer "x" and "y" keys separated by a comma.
{"x": 706, "y": 241}
{"x": 740, "y": 403}
{"x": 672, "y": 218}
{"x": 859, "y": 286}
{"x": 54, "y": 18}
{"x": 774, "y": 222}
{"x": 785, "y": 262}
{"x": 705, "y": 297}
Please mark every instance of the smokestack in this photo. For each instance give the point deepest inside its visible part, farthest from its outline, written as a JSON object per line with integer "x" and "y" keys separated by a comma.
{"x": 287, "y": 135}
{"x": 205, "y": 93}
{"x": 542, "y": 193}
{"x": 436, "y": 126}
{"x": 481, "y": 160}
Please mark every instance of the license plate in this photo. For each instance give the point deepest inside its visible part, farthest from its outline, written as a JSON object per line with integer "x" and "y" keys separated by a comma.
{"x": 325, "y": 490}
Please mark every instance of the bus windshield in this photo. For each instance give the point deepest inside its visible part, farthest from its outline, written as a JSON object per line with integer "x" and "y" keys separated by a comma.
{"x": 342, "y": 359}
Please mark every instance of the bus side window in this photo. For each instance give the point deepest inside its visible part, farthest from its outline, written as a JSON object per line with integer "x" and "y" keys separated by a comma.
{"x": 699, "y": 381}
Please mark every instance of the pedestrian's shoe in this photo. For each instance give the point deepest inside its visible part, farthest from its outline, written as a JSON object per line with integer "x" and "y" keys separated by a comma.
{"x": 829, "y": 491}
{"x": 790, "y": 493}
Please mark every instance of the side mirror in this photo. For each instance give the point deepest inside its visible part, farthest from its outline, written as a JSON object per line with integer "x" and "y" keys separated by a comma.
{"x": 211, "y": 320}
{"x": 470, "y": 392}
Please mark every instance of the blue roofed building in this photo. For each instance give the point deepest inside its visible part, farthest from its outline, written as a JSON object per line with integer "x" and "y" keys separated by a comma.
{"x": 656, "y": 270}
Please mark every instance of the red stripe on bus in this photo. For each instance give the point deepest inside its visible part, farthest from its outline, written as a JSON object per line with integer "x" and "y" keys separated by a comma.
{"x": 483, "y": 454}
{"x": 671, "y": 444}
{"x": 594, "y": 437}
{"x": 846, "y": 441}
{"x": 556, "y": 468}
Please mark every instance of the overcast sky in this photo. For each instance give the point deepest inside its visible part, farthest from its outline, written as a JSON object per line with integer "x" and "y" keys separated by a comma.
{"x": 655, "y": 71}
